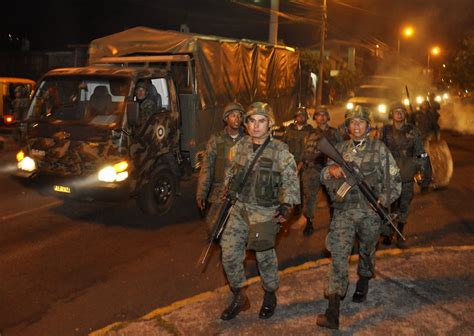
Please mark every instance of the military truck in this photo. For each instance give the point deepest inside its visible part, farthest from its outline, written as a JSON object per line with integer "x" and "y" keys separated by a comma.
{"x": 84, "y": 125}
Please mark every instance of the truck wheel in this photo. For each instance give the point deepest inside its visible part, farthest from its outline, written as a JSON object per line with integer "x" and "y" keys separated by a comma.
{"x": 158, "y": 195}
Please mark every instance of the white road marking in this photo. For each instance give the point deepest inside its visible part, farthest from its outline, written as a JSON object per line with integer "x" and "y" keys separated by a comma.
{"x": 29, "y": 211}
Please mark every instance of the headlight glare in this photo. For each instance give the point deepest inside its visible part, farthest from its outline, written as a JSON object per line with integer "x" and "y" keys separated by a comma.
{"x": 406, "y": 102}
{"x": 27, "y": 164}
{"x": 419, "y": 100}
{"x": 382, "y": 108}
{"x": 107, "y": 174}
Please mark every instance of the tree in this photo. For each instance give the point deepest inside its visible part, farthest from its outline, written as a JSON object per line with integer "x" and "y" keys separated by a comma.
{"x": 460, "y": 68}
{"x": 347, "y": 81}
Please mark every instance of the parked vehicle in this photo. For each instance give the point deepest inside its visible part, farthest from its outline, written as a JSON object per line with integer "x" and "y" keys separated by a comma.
{"x": 113, "y": 152}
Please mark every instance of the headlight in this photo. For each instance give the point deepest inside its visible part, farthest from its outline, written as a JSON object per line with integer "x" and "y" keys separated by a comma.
{"x": 27, "y": 164}
{"x": 117, "y": 172}
{"x": 20, "y": 156}
{"x": 445, "y": 96}
{"x": 438, "y": 99}
{"x": 382, "y": 108}
{"x": 350, "y": 106}
{"x": 419, "y": 100}
{"x": 406, "y": 102}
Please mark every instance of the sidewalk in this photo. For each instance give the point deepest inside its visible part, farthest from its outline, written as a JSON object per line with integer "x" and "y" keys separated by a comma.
{"x": 428, "y": 291}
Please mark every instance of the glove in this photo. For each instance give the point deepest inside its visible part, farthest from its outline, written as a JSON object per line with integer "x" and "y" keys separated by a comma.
{"x": 283, "y": 212}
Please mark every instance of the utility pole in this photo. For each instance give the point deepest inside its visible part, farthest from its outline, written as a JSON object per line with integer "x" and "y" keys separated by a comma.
{"x": 273, "y": 31}
{"x": 319, "y": 97}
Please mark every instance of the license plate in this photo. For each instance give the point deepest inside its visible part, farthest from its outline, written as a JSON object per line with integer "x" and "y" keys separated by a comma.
{"x": 62, "y": 189}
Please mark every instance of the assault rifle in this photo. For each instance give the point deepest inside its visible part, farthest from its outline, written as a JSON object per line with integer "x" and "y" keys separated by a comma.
{"x": 354, "y": 178}
{"x": 219, "y": 225}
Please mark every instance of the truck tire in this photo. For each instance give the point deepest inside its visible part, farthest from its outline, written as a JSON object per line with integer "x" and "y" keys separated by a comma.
{"x": 158, "y": 195}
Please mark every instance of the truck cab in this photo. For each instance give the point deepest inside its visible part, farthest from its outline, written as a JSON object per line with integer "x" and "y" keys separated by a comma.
{"x": 84, "y": 127}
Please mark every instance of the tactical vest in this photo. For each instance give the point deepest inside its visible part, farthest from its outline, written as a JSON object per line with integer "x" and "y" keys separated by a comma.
{"x": 367, "y": 160}
{"x": 224, "y": 143}
{"x": 295, "y": 139}
{"x": 401, "y": 144}
{"x": 262, "y": 186}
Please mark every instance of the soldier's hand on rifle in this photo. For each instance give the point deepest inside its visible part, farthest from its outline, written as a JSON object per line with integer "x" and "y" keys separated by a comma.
{"x": 283, "y": 212}
{"x": 336, "y": 171}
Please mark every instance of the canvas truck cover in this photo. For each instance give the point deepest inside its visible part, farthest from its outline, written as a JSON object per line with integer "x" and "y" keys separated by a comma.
{"x": 226, "y": 70}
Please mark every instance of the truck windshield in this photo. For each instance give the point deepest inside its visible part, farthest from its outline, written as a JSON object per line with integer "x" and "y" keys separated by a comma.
{"x": 375, "y": 92}
{"x": 92, "y": 100}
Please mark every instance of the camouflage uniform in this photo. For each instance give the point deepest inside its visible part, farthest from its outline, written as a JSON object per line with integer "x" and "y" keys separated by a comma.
{"x": 212, "y": 173}
{"x": 353, "y": 214}
{"x": 273, "y": 182}
{"x": 314, "y": 162}
{"x": 406, "y": 146}
{"x": 295, "y": 138}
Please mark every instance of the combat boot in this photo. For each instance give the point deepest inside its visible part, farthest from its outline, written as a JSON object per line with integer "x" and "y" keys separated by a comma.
{"x": 308, "y": 229}
{"x": 401, "y": 244}
{"x": 362, "y": 288}
{"x": 268, "y": 306}
{"x": 330, "y": 319}
{"x": 240, "y": 302}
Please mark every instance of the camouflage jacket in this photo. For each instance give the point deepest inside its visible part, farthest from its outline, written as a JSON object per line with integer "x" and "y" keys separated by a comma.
{"x": 148, "y": 107}
{"x": 312, "y": 157}
{"x": 406, "y": 146}
{"x": 295, "y": 138}
{"x": 370, "y": 158}
{"x": 273, "y": 180}
{"x": 426, "y": 122}
{"x": 214, "y": 165}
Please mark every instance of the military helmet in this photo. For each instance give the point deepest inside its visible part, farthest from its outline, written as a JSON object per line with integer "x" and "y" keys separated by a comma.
{"x": 357, "y": 112}
{"x": 397, "y": 106}
{"x": 260, "y": 108}
{"x": 20, "y": 89}
{"x": 301, "y": 111}
{"x": 231, "y": 107}
{"x": 141, "y": 84}
{"x": 322, "y": 109}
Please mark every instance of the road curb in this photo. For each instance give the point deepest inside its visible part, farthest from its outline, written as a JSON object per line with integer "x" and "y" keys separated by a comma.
{"x": 310, "y": 264}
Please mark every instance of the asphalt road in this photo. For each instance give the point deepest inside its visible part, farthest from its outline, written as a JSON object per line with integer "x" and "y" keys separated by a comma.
{"x": 68, "y": 267}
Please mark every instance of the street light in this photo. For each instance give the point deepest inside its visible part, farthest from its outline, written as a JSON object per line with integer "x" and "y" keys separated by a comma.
{"x": 435, "y": 51}
{"x": 407, "y": 32}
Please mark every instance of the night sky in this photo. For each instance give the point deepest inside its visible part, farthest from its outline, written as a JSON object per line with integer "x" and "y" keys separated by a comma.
{"x": 55, "y": 24}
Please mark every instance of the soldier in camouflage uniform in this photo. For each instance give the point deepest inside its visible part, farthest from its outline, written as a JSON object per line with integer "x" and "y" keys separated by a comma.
{"x": 216, "y": 161}
{"x": 405, "y": 144}
{"x": 352, "y": 213}
{"x": 21, "y": 103}
{"x": 147, "y": 104}
{"x": 313, "y": 163}
{"x": 295, "y": 136}
{"x": 265, "y": 201}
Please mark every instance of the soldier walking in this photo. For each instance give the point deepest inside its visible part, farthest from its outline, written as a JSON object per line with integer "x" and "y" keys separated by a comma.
{"x": 405, "y": 144}
{"x": 216, "y": 161}
{"x": 352, "y": 212}
{"x": 295, "y": 136}
{"x": 313, "y": 163}
{"x": 267, "y": 196}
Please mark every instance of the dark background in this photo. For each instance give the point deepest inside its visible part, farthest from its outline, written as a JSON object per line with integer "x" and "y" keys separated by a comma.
{"x": 55, "y": 24}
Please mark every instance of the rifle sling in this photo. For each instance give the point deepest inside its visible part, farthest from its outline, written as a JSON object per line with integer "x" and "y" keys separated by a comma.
{"x": 252, "y": 164}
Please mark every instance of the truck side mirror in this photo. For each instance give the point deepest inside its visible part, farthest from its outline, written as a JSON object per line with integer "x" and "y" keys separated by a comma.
{"x": 133, "y": 113}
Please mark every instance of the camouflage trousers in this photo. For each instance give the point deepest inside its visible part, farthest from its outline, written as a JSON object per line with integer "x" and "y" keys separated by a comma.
{"x": 345, "y": 225}
{"x": 311, "y": 185}
{"x": 234, "y": 245}
{"x": 402, "y": 204}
